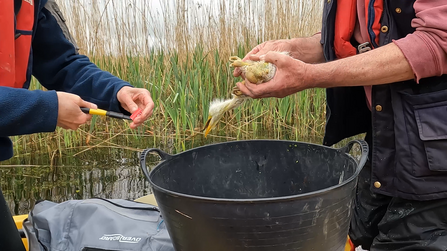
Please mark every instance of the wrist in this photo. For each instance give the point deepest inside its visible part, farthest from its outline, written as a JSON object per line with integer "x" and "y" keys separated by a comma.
{"x": 316, "y": 76}
{"x": 121, "y": 92}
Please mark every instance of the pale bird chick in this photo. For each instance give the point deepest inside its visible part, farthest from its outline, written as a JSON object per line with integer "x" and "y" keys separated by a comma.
{"x": 219, "y": 107}
{"x": 256, "y": 72}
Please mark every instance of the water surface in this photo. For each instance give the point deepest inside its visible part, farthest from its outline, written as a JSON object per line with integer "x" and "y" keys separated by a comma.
{"x": 106, "y": 172}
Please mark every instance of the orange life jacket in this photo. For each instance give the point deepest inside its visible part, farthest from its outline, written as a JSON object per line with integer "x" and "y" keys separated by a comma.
{"x": 15, "y": 44}
{"x": 345, "y": 19}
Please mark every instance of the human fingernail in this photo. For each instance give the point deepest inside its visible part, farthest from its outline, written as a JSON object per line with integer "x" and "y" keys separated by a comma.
{"x": 136, "y": 114}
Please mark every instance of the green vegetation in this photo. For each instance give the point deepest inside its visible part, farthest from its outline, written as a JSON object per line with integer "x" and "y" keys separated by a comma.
{"x": 180, "y": 54}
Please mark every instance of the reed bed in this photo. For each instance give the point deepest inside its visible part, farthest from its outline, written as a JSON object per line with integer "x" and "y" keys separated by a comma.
{"x": 179, "y": 51}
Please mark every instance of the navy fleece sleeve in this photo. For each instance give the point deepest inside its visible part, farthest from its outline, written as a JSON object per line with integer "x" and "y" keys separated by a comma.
{"x": 25, "y": 112}
{"x": 57, "y": 66}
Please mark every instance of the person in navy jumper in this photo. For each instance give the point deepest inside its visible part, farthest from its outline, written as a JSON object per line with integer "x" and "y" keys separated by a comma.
{"x": 36, "y": 42}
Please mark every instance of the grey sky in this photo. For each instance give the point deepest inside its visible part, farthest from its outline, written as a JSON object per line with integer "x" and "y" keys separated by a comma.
{"x": 139, "y": 25}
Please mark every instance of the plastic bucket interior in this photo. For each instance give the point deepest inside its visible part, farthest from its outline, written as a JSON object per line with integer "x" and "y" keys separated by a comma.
{"x": 257, "y": 195}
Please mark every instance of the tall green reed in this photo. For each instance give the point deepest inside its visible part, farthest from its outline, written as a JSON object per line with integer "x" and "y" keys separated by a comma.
{"x": 179, "y": 52}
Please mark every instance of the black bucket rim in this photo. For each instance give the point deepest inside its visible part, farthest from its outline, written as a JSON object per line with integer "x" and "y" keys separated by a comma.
{"x": 360, "y": 165}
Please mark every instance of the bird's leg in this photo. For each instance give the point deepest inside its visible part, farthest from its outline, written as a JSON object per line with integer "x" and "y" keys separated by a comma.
{"x": 237, "y": 92}
{"x": 237, "y": 62}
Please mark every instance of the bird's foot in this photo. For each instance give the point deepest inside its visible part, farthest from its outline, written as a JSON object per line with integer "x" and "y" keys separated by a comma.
{"x": 237, "y": 62}
{"x": 236, "y": 91}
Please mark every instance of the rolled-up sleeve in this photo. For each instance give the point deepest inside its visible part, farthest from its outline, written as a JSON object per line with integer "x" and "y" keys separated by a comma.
{"x": 426, "y": 48}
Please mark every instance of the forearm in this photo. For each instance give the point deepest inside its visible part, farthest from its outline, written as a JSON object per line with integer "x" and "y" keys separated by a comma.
{"x": 58, "y": 66}
{"x": 25, "y": 112}
{"x": 308, "y": 50}
{"x": 81, "y": 77}
{"x": 383, "y": 65}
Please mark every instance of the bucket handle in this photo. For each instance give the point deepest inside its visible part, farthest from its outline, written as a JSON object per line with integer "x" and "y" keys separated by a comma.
{"x": 363, "y": 147}
{"x": 163, "y": 155}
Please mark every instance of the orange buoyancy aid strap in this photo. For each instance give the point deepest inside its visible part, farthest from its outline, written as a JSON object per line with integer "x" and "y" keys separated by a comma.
{"x": 345, "y": 19}
{"x": 7, "y": 57}
{"x": 25, "y": 24}
{"x": 349, "y": 246}
{"x": 373, "y": 14}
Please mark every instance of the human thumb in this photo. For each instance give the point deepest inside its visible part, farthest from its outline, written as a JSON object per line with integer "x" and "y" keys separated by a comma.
{"x": 255, "y": 57}
{"x": 88, "y": 105}
{"x": 271, "y": 57}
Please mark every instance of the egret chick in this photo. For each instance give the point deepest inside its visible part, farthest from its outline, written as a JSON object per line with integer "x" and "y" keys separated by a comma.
{"x": 219, "y": 107}
{"x": 256, "y": 72}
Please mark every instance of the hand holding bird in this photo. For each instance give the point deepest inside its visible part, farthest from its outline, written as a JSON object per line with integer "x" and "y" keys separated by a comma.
{"x": 256, "y": 72}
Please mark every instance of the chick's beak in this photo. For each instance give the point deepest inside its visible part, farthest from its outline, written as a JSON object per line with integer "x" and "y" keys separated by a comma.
{"x": 208, "y": 126}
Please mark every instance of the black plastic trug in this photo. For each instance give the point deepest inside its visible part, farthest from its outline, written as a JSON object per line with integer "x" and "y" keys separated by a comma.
{"x": 257, "y": 195}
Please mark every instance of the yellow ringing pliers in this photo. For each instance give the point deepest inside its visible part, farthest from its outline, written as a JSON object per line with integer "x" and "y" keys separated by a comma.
{"x": 101, "y": 112}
